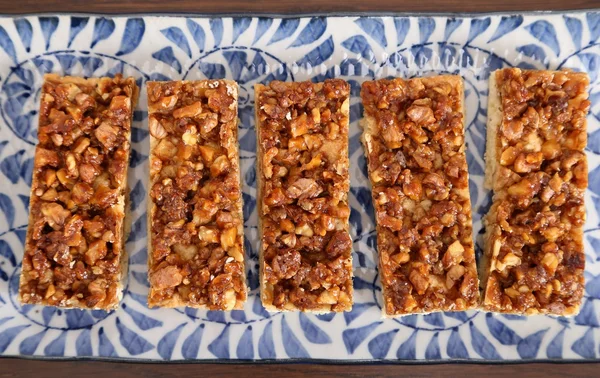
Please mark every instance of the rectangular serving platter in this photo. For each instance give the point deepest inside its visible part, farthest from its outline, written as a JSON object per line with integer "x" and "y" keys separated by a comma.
{"x": 254, "y": 50}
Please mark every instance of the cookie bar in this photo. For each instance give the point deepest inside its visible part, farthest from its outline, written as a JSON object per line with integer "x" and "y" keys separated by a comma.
{"x": 303, "y": 184}
{"x": 537, "y": 168}
{"x": 414, "y": 137}
{"x": 196, "y": 239}
{"x": 74, "y": 249}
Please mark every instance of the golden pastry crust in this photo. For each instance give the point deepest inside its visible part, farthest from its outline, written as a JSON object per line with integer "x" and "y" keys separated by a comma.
{"x": 196, "y": 225}
{"x": 533, "y": 258}
{"x": 303, "y": 184}
{"x": 414, "y": 142}
{"x": 74, "y": 249}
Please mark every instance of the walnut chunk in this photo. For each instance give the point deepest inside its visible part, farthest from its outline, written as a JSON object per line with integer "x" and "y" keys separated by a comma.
{"x": 167, "y": 277}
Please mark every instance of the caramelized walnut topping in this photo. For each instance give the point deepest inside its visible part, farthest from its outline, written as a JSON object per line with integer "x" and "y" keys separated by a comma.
{"x": 197, "y": 244}
{"x": 534, "y": 243}
{"x": 74, "y": 248}
{"x": 303, "y": 191}
{"x": 414, "y": 140}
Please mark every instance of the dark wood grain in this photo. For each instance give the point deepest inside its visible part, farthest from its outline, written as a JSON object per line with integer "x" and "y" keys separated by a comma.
{"x": 10, "y": 367}
{"x": 92, "y": 369}
{"x": 288, "y": 6}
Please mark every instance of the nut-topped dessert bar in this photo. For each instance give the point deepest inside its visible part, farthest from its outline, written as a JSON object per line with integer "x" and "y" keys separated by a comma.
{"x": 303, "y": 184}
{"x": 414, "y": 140}
{"x": 537, "y": 168}
{"x": 196, "y": 240}
{"x": 74, "y": 249}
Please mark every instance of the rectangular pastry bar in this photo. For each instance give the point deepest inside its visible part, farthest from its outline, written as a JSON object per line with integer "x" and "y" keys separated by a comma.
{"x": 536, "y": 165}
{"x": 303, "y": 184}
{"x": 74, "y": 250}
{"x": 196, "y": 226}
{"x": 414, "y": 138}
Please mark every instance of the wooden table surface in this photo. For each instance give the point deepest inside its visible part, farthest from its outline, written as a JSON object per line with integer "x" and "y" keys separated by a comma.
{"x": 10, "y": 367}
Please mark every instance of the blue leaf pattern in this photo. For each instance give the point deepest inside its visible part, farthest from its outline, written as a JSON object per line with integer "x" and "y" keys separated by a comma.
{"x": 167, "y": 343}
{"x": 264, "y": 23}
{"x": 131, "y": 341}
{"x": 585, "y": 345}
{"x": 481, "y": 345}
{"x": 555, "y": 348}
{"x": 7, "y": 208}
{"x": 7, "y": 252}
{"x": 245, "y": 349}
{"x": 105, "y": 347}
{"x": 500, "y": 331}
{"x": 220, "y": 346}
{"x": 435, "y": 319}
{"x": 402, "y": 25}
{"x": 138, "y": 229}
{"x": 544, "y": 32}
{"x": 451, "y": 25}
{"x": 286, "y": 28}
{"x": 166, "y": 55}
{"x": 293, "y": 347}
{"x": 533, "y": 51}
{"x": 528, "y": 347}
{"x": 240, "y": 25}
{"x": 197, "y": 33}
{"x": 380, "y": 345}
{"x": 312, "y": 332}
{"x": 143, "y": 321}
{"x": 319, "y": 55}
{"x": 353, "y": 337}
{"x": 358, "y": 44}
{"x": 506, "y": 25}
{"x": 311, "y": 32}
{"x": 48, "y": 26}
{"x": 408, "y": 349}
{"x": 374, "y": 28}
{"x": 591, "y": 62}
{"x": 426, "y": 28}
{"x": 593, "y": 21}
{"x": 57, "y": 346}
{"x": 456, "y": 347}
{"x": 266, "y": 347}
{"x": 132, "y": 36}
{"x": 587, "y": 315}
{"x": 77, "y": 25}
{"x": 478, "y": 26}
{"x": 433, "y": 348}
{"x": 30, "y": 344}
{"x": 103, "y": 28}
{"x": 175, "y": 35}
{"x": 25, "y": 32}
{"x": 575, "y": 28}
{"x": 83, "y": 344}
{"x": 216, "y": 27}
{"x": 191, "y": 345}
{"x": 7, "y": 45}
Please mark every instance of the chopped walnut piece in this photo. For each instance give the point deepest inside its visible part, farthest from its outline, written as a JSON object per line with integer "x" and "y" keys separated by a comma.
{"x": 74, "y": 249}
{"x": 196, "y": 255}
{"x": 303, "y": 184}
{"x": 537, "y": 167}
{"x": 414, "y": 142}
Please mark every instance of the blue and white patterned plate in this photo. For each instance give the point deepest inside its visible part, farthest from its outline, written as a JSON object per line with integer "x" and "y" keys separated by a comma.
{"x": 251, "y": 50}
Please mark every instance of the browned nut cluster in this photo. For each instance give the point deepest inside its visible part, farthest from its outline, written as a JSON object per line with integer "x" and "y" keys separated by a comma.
{"x": 414, "y": 140}
{"x": 535, "y": 238}
{"x": 196, "y": 257}
{"x": 303, "y": 187}
{"x": 74, "y": 248}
